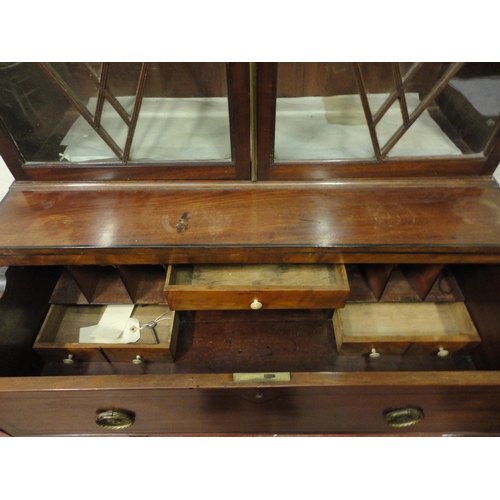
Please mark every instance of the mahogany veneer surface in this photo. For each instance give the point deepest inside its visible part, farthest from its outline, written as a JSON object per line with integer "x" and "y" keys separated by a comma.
{"x": 99, "y": 223}
{"x": 310, "y": 403}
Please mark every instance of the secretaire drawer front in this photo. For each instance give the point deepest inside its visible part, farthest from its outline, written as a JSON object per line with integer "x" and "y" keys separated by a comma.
{"x": 192, "y": 406}
{"x": 295, "y": 286}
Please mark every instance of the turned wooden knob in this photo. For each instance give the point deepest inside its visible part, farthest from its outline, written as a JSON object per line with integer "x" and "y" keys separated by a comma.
{"x": 255, "y": 305}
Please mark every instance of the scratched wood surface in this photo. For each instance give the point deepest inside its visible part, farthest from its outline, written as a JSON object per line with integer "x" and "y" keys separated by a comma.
{"x": 140, "y": 223}
{"x": 297, "y": 276}
{"x": 414, "y": 321}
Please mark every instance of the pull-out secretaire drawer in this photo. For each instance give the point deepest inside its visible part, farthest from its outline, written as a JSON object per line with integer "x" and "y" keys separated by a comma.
{"x": 405, "y": 328}
{"x": 269, "y": 286}
{"x": 59, "y": 337}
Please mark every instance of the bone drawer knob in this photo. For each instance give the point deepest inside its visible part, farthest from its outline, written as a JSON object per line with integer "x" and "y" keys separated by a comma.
{"x": 69, "y": 360}
{"x": 442, "y": 353}
{"x": 137, "y": 360}
{"x": 374, "y": 354}
{"x": 255, "y": 305}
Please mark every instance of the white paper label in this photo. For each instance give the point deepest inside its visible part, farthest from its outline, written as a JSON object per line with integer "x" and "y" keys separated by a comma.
{"x": 113, "y": 321}
{"x": 131, "y": 334}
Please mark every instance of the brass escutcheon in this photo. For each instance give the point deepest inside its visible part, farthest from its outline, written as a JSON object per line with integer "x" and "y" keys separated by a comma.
{"x": 404, "y": 417}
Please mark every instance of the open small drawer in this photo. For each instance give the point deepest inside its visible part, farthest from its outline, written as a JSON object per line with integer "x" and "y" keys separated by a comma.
{"x": 58, "y": 339}
{"x": 256, "y": 286}
{"x": 373, "y": 329}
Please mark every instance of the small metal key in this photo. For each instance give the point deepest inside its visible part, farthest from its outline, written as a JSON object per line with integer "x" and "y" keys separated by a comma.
{"x": 151, "y": 325}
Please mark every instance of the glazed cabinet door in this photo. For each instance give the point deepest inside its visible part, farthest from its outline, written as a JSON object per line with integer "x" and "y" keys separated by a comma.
{"x": 143, "y": 121}
{"x": 326, "y": 120}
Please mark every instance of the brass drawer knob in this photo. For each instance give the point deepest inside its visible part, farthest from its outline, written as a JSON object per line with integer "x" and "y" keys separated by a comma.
{"x": 255, "y": 305}
{"x": 69, "y": 360}
{"x": 442, "y": 353}
{"x": 114, "y": 419}
{"x": 137, "y": 360}
{"x": 404, "y": 417}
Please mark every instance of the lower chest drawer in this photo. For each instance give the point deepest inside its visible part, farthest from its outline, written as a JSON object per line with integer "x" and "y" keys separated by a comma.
{"x": 214, "y": 404}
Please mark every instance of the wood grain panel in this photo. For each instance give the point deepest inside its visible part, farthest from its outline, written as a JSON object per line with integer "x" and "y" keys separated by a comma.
{"x": 333, "y": 218}
{"x": 326, "y": 403}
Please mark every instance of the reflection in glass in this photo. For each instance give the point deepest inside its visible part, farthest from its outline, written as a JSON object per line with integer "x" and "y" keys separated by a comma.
{"x": 83, "y": 143}
{"x": 78, "y": 78}
{"x": 122, "y": 80}
{"x": 471, "y": 104}
{"x": 319, "y": 115}
{"x": 95, "y": 68}
{"x": 411, "y": 110}
{"x": 84, "y": 112}
{"x": 33, "y": 111}
{"x": 184, "y": 114}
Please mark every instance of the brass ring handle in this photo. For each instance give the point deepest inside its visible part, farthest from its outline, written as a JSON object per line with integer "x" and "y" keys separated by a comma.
{"x": 114, "y": 419}
{"x": 404, "y": 417}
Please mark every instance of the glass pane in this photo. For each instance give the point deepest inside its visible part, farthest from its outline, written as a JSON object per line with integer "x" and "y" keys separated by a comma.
{"x": 33, "y": 111}
{"x": 122, "y": 80}
{"x": 78, "y": 78}
{"x": 460, "y": 118}
{"x": 471, "y": 105}
{"x": 379, "y": 81}
{"x": 429, "y": 134}
{"x": 441, "y": 111}
{"x": 184, "y": 114}
{"x": 391, "y": 120}
{"x": 379, "y": 84}
{"x": 95, "y": 68}
{"x": 319, "y": 115}
{"x": 83, "y": 143}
